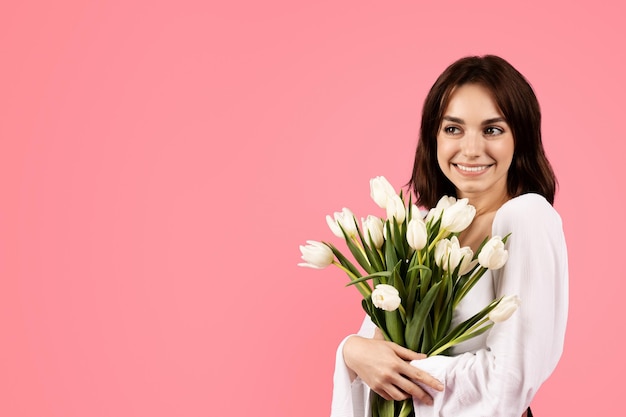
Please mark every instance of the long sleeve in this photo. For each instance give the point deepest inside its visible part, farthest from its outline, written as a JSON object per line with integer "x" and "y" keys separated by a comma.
{"x": 350, "y": 398}
{"x": 501, "y": 379}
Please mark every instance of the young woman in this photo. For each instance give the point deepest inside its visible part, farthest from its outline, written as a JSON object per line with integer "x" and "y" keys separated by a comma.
{"x": 480, "y": 139}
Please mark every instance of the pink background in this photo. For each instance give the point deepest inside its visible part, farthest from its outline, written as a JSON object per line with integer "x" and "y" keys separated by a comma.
{"x": 160, "y": 163}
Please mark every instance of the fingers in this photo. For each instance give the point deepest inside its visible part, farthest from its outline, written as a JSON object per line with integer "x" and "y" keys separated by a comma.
{"x": 414, "y": 373}
{"x": 408, "y": 388}
{"x": 401, "y": 388}
{"x": 425, "y": 378}
{"x": 407, "y": 354}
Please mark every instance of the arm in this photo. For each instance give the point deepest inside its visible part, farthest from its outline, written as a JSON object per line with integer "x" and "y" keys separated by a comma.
{"x": 367, "y": 360}
{"x": 522, "y": 352}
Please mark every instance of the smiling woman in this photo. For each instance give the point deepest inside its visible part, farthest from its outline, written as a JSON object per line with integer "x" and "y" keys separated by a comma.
{"x": 480, "y": 140}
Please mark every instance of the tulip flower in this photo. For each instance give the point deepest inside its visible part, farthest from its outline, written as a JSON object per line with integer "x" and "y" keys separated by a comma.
{"x": 493, "y": 255}
{"x": 448, "y": 254}
{"x": 386, "y": 297}
{"x": 316, "y": 255}
{"x": 458, "y": 216}
{"x": 373, "y": 230}
{"x": 505, "y": 308}
{"x": 381, "y": 191}
{"x": 467, "y": 264}
{"x": 396, "y": 209}
{"x": 443, "y": 203}
{"x": 416, "y": 234}
{"x": 345, "y": 218}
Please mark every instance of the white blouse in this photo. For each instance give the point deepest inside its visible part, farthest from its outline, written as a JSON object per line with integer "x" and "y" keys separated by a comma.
{"x": 498, "y": 373}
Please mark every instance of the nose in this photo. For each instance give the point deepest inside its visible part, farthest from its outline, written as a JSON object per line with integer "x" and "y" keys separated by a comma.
{"x": 472, "y": 144}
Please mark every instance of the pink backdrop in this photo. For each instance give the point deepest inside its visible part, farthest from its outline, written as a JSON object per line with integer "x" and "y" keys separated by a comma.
{"x": 160, "y": 163}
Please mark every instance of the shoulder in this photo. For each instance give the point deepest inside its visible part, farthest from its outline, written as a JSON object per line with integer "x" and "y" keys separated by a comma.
{"x": 528, "y": 214}
{"x": 526, "y": 209}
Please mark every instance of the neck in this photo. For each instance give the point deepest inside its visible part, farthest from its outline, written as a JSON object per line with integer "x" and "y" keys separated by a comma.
{"x": 486, "y": 203}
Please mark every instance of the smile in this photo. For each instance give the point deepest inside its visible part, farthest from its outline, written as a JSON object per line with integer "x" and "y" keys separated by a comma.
{"x": 472, "y": 169}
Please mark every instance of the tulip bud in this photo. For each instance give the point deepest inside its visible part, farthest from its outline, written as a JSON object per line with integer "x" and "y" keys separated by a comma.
{"x": 416, "y": 234}
{"x": 316, "y": 255}
{"x": 443, "y": 203}
{"x": 396, "y": 209}
{"x": 446, "y": 256}
{"x": 386, "y": 297}
{"x": 373, "y": 231}
{"x": 345, "y": 218}
{"x": 467, "y": 264}
{"x": 493, "y": 255}
{"x": 381, "y": 191}
{"x": 458, "y": 216}
{"x": 505, "y": 309}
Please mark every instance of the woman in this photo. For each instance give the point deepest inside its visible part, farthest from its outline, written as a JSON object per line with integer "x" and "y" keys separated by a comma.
{"x": 480, "y": 139}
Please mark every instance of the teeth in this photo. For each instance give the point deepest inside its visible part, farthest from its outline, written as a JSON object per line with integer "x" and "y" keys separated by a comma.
{"x": 471, "y": 169}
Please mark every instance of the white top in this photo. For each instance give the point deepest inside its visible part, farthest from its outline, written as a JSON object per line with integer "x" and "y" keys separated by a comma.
{"x": 496, "y": 374}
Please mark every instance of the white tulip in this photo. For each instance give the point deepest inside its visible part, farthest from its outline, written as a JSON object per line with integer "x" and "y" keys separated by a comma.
{"x": 396, "y": 209}
{"x": 493, "y": 255}
{"x": 449, "y": 254}
{"x": 345, "y": 218}
{"x": 466, "y": 260}
{"x": 316, "y": 255}
{"x": 443, "y": 203}
{"x": 381, "y": 191}
{"x": 458, "y": 216}
{"x": 373, "y": 231}
{"x": 386, "y": 297}
{"x": 505, "y": 308}
{"x": 416, "y": 213}
{"x": 416, "y": 234}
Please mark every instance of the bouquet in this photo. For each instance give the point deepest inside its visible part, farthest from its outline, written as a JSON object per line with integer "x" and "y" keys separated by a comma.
{"x": 413, "y": 273}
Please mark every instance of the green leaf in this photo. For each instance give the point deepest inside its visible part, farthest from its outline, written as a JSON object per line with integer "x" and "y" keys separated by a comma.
{"x": 395, "y": 326}
{"x": 391, "y": 258}
{"x": 356, "y": 251}
{"x": 370, "y": 276}
{"x": 461, "y": 292}
{"x": 377, "y": 318}
{"x": 461, "y": 328}
{"x": 343, "y": 260}
{"x": 415, "y": 326}
{"x": 398, "y": 240}
{"x": 387, "y": 408}
{"x": 407, "y": 408}
{"x": 397, "y": 282}
{"x": 427, "y": 337}
{"x": 416, "y": 276}
{"x": 485, "y": 240}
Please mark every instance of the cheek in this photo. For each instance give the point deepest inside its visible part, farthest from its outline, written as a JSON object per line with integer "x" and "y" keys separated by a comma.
{"x": 505, "y": 152}
{"x": 444, "y": 153}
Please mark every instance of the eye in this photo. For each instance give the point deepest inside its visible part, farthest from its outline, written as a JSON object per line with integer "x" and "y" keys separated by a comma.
{"x": 493, "y": 131}
{"x": 452, "y": 130}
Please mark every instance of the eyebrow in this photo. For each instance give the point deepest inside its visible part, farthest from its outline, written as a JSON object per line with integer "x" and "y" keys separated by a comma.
{"x": 485, "y": 122}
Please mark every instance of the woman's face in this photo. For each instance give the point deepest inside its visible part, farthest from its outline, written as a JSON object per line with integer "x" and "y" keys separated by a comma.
{"x": 475, "y": 144}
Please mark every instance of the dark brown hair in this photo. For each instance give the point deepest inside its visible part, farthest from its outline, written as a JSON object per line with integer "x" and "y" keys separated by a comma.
{"x": 530, "y": 170}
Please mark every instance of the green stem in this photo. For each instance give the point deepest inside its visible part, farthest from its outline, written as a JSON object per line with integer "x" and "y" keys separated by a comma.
{"x": 358, "y": 245}
{"x": 455, "y": 340}
{"x": 363, "y": 287}
{"x": 468, "y": 286}
{"x": 440, "y": 235}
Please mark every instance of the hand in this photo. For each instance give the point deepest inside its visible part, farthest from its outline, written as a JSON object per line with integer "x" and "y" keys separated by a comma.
{"x": 384, "y": 367}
